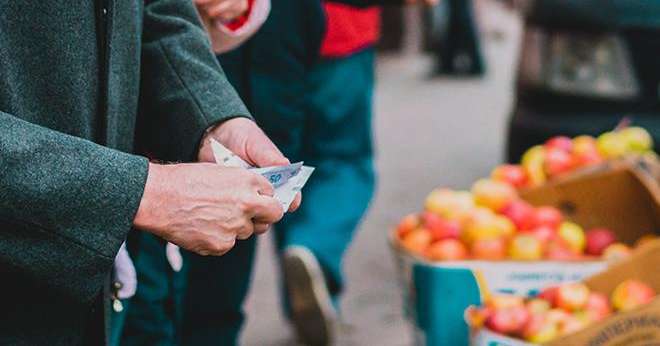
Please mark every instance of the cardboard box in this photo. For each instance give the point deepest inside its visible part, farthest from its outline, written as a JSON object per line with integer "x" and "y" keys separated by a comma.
{"x": 620, "y": 195}
{"x": 632, "y": 328}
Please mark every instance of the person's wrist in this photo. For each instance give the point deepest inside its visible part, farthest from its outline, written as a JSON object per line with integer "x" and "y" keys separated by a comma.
{"x": 153, "y": 195}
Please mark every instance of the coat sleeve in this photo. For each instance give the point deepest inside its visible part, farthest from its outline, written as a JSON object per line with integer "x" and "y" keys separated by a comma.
{"x": 184, "y": 91}
{"x": 66, "y": 205}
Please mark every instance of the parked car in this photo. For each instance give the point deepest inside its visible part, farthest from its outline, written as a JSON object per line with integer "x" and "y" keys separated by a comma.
{"x": 584, "y": 65}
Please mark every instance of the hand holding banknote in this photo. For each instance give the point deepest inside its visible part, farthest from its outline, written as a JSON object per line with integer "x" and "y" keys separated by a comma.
{"x": 244, "y": 138}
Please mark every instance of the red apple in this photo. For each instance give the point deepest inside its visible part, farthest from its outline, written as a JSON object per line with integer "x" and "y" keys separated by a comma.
{"x": 543, "y": 233}
{"x": 598, "y": 239}
{"x": 598, "y": 306}
{"x": 488, "y": 249}
{"x": 514, "y": 175}
{"x": 587, "y": 159}
{"x": 417, "y": 241}
{"x": 509, "y": 321}
{"x": 548, "y": 216}
{"x": 549, "y": 294}
{"x": 559, "y": 142}
{"x": 407, "y": 225}
{"x": 521, "y": 213}
{"x": 572, "y": 296}
{"x": 447, "y": 250}
{"x": 631, "y": 294}
{"x": 557, "y": 161}
{"x": 441, "y": 228}
{"x": 558, "y": 250}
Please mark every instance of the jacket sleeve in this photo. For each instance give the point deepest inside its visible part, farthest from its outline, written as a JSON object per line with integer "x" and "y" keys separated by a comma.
{"x": 66, "y": 205}
{"x": 184, "y": 91}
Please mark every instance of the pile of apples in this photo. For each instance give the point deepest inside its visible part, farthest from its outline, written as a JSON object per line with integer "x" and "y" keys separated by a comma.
{"x": 560, "y": 155}
{"x": 491, "y": 222}
{"x": 557, "y": 311}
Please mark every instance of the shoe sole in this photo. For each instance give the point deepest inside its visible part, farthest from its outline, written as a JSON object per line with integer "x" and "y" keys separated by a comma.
{"x": 311, "y": 307}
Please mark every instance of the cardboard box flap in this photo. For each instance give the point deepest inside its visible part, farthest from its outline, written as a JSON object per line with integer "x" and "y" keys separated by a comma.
{"x": 619, "y": 198}
{"x": 643, "y": 265}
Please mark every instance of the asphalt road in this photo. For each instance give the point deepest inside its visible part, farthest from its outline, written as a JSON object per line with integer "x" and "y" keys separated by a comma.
{"x": 430, "y": 132}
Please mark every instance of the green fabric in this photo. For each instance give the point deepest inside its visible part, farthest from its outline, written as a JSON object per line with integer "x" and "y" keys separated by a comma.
{"x": 66, "y": 202}
{"x": 154, "y": 315}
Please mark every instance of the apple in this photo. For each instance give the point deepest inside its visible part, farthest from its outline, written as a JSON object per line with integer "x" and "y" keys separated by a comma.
{"x": 493, "y": 194}
{"x": 409, "y": 223}
{"x": 447, "y": 250}
{"x": 612, "y": 144}
{"x": 549, "y": 294}
{"x": 557, "y": 316}
{"x": 503, "y": 301}
{"x": 521, "y": 213}
{"x": 480, "y": 224}
{"x": 573, "y": 235}
{"x": 587, "y": 159}
{"x": 597, "y": 240}
{"x": 637, "y": 139}
{"x": 631, "y": 294}
{"x": 617, "y": 252}
{"x": 560, "y": 142}
{"x": 513, "y": 175}
{"x": 417, "y": 241}
{"x": 572, "y": 324}
{"x": 506, "y": 228}
{"x": 539, "y": 330}
{"x": 449, "y": 204}
{"x": 557, "y": 161}
{"x": 547, "y": 216}
{"x": 598, "y": 306}
{"x": 525, "y": 247}
{"x": 488, "y": 249}
{"x": 537, "y": 306}
{"x": 439, "y": 227}
{"x": 543, "y": 233}
{"x": 533, "y": 162}
{"x": 584, "y": 144}
{"x": 509, "y": 320}
{"x": 476, "y": 317}
{"x": 558, "y": 250}
{"x": 572, "y": 296}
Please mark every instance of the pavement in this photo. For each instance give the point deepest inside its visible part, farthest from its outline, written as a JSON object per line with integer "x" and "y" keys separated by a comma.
{"x": 429, "y": 132}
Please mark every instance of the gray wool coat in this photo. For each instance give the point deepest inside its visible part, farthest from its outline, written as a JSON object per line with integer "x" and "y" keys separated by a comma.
{"x": 85, "y": 86}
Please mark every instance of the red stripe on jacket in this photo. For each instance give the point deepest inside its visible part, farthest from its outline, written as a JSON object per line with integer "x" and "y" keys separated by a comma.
{"x": 349, "y": 29}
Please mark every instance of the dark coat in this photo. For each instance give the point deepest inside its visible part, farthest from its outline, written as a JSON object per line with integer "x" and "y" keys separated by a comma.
{"x": 82, "y": 84}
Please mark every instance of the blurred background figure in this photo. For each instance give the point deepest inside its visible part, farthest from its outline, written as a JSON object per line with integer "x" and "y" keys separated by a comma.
{"x": 456, "y": 39}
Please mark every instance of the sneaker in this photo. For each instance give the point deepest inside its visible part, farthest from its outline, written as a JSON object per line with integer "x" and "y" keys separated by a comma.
{"x": 312, "y": 312}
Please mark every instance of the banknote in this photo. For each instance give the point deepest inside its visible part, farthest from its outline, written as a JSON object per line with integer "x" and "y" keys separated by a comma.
{"x": 287, "y": 180}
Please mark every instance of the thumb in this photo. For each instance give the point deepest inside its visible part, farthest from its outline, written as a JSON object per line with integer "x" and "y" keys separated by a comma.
{"x": 264, "y": 153}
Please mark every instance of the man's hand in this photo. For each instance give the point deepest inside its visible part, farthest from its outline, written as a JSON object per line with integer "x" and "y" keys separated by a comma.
{"x": 204, "y": 208}
{"x": 223, "y": 10}
{"x": 245, "y": 139}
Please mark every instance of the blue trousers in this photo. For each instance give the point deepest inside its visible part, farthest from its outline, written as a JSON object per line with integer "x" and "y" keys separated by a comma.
{"x": 325, "y": 121}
